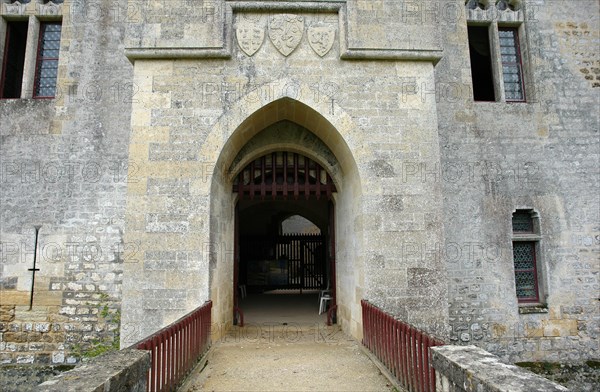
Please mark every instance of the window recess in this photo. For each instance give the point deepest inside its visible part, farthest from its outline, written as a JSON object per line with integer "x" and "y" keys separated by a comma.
{"x": 526, "y": 242}
{"x": 497, "y": 50}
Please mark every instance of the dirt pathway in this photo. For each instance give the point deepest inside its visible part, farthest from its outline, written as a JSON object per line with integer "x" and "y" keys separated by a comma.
{"x": 287, "y": 358}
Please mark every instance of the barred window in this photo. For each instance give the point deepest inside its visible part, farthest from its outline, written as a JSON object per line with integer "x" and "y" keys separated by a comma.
{"x": 47, "y": 60}
{"x": 512, "y": 68}
{"x": 525, "y": 271}
{"x": 525, "y": 244}
{"x": 498, "y": 50}
{"x": 522, "y": 222}
{"x": 29, "y": 52}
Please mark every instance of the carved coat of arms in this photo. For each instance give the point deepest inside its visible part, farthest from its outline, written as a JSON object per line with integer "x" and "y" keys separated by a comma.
{"x": 321, "y": 39}
{"x": 285, "y": 31}
{"x": 250, "y": 37}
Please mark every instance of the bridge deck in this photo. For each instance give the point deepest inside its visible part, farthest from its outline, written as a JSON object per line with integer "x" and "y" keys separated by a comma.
{"x": 285, "y": 346}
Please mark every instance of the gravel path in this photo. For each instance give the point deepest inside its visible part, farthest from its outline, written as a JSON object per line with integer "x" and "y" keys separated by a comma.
{"x": 288, "y": 358}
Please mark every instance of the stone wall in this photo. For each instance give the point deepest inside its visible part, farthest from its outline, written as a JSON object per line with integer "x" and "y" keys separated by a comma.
{"x": 129, "y": 168}
{"x": 125, "y": 370}
{"x": 64, "y": 166}
{"x": 196, "y": 114}
{"x": 497, "y": 157}
{"x": 469, "y": 368}
{"x": 26, "y": 378}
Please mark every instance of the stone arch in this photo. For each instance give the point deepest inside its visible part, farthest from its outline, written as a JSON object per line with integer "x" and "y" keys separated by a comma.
{"x": 301, "y": 105}
{"x": 334, "y": 135}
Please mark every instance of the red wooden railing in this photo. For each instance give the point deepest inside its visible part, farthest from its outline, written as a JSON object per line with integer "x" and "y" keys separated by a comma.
{"x": 177, "y": 348}
{"x": 403, "y": 349}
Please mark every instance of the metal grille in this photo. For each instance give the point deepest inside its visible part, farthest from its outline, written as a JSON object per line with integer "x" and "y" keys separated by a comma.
{"x": 292, "y": 261}
{"x": 47, "y": 60}
{"x": 525, "y": 271}
{"x": 512, "y": 69}
{"x": 522, "y": 222}
{"x": 283, "y": 174}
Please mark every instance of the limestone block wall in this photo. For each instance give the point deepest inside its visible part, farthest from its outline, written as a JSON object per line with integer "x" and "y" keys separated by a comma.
{"x": 64, "y": 167}
{"x": 129, "y": 168}
{"x": 195, "y": 114}
{"x": 498, "y": 157}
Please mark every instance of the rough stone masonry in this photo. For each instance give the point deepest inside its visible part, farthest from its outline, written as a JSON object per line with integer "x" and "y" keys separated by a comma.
{"x": 158, "y": 106}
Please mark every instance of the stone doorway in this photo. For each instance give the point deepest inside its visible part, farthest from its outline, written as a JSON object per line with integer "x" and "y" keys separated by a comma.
{"x": 284, "y": 252}
{"x": 291, "y": 127}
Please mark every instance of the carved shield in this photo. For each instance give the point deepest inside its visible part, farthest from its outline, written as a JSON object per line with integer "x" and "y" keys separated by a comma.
{"x": 285, "y": 31}
{"x": 250, "y": 37}
{"x": 321, "y": 39}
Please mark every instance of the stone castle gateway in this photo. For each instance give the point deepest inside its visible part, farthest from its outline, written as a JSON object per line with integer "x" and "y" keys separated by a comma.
{"x": 447, "y": 151}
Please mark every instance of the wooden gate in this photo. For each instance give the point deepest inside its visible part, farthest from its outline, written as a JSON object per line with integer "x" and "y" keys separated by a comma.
{"x": 283, "y": 174}
{"x": 292, "y": 261}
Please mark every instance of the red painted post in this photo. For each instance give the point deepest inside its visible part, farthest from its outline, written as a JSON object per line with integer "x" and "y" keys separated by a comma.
{"x": 369, "y": 332}
{"x": 167, "y": 348}
{"x": 155, "y": 358}
{"x": 421, "y": 363}
{"x": 407, "y": 355}
{"x": 396, "y": 347}
{"x": 404, "y": 350}
{"x": 426, "y": 344}
{"x": 176, "y": 348}
{"x": 388, "y": 339}
{"x": 390, "y": 328}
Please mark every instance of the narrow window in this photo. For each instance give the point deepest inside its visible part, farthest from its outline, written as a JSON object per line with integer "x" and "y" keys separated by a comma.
{"x": 481, "y": 63}
{"x": 522, "y": 222}
{"x": 525, "y": 271}
{"x": 14, "y": 60}
{"x": 512, "y": 66}
{"x": 525, "y": 243}
{"x": 46, "y": 69}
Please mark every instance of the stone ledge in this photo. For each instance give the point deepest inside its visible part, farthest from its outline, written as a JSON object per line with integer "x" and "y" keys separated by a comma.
{"x": 529, "y": 309}
{"x": 124, "y": 370}
{"x": 470, "y": 368}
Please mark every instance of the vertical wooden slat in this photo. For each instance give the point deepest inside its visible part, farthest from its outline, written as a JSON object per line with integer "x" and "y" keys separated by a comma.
{"x": 403, "y": 349}
{"x": 285, "y": 184}
{"x": 263, "y": 171}
{"x": 274, "y": 175}
{"x": 306, "y": 177}
{"x": 251, "y": 185}
{"x": 404, "y": 355}
{"x": 396, "y": 349}
{"x": 426, "y": 344}
{"x": 176, "y": 348}
{"x": 296, "y": 189}
{"x": 318, "y": 182}
{"x": 154, "y": 365}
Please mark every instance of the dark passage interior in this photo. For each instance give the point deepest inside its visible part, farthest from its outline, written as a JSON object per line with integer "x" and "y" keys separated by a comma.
{"x": 481, "y": 63}
{"x": 283, "y": 259}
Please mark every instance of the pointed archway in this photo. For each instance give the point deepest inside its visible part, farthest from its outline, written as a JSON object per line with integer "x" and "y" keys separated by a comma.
{"x": 287, "y": 125}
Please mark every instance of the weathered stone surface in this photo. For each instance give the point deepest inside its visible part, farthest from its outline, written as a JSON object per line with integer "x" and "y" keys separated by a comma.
{"x": 26, "y": 378}
{"x": 130, "y": 168}
{"x": 119, "y": 371}
{"x": 469, "y": 368}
